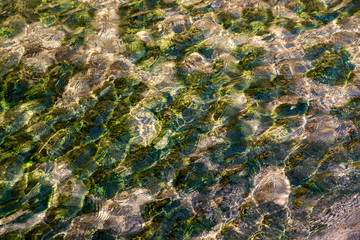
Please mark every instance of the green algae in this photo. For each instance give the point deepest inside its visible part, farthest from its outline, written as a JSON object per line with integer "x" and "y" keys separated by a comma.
{"x": 249, "y": 56}
{"x": 95, "y": 140}
{"x": 153, "y": 208}
{"x": 6, "y": 32}
{"x": 148, "y": 231}
{"x": 57, "y": 13}
{"x": 288, "y": 110}
{"x": 136, "y": 16}
{"x": 310, "y": 7}
{"x": 192, "y": 226}
{"x": 24, "y": 83}
{"x": 257, "y": 14}
{"x": 20, "y": 13}
{"x": 253, "y": 21}
{"x": 332, "y": 65}
{"x": 225, "y": 19}
{"x": 265, "y": 89}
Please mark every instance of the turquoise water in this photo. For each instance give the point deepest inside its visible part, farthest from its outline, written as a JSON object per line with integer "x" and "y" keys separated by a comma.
{"x": 179, "y": 119}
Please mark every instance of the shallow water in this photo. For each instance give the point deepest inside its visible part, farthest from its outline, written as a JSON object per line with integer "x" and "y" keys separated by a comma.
{"x": 179, "y": 119}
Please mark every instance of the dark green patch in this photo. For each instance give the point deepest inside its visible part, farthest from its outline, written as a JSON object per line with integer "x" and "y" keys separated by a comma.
{"x": 332, "y": 64}
{"x": 153, "y": 208}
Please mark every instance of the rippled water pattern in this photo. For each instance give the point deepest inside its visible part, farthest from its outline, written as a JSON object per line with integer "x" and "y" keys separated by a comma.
{"x": 179, "y": 119}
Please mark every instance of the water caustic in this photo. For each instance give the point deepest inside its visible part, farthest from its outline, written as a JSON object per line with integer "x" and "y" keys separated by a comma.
{"x": 179, "y": 119}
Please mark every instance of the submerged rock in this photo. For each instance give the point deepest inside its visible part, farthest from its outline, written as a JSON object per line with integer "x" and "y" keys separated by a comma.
{"x": 341, "y": 220}
{"x": 121, "y": 214}
{"x": 144, "y": 126}
{"x": 328, "y": 129}
{"x": 196, "y": 62}
{"x": 175, "y": 23}
{"x": 184, "y": 100}
{"x": 271, "y": 184}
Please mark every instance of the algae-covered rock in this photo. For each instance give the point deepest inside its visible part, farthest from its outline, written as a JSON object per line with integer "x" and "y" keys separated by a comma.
{"x": 332, "y": 65}
{"x": 179, "y": 119}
